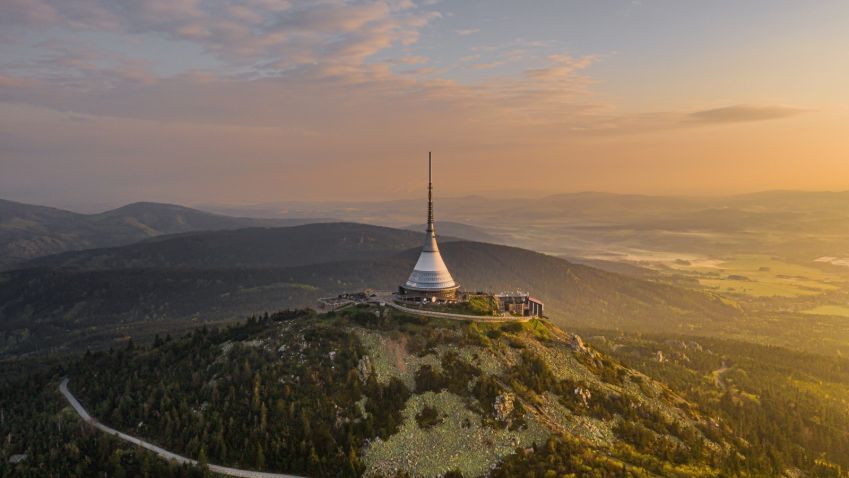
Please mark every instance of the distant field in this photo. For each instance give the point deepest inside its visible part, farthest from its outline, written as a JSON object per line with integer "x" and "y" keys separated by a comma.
{"x": 760, "y": 288}
{"x": 752, "y": 275}
{"x": 760, "y": 276}
{"x": 835, "y": 261}
{"x": 838, "y": 310}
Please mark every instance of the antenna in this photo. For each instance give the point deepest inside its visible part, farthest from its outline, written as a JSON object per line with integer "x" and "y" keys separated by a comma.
{"x": 430, "y": 228}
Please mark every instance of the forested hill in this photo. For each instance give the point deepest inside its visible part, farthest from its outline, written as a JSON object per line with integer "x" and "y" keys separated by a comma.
{"x": 94, "y": 297}
{"x": 251, "y": 248}
{"x": 28, "y": 231}
{"x": 370, "y": 391}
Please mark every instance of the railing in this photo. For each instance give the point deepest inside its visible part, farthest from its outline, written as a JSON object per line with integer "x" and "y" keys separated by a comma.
{"x": 452, "y": 316}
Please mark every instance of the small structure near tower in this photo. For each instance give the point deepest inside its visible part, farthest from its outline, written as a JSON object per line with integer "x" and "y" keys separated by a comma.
{"x": 519, "y": 303}
{"x": 430, "y": 279}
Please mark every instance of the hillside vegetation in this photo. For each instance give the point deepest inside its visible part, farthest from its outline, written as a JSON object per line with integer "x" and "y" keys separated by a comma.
{"x": 788, "y": 404}
{"x": 377, "y": 393}
{"x": 373, "y": 392}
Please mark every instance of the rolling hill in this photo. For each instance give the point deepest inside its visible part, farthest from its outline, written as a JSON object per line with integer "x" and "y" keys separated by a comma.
{"x": 460, "y": 231}
{"x": 93, "y": 297}
{"x": 250, "y": 248}
{"x": 28, "y": 231}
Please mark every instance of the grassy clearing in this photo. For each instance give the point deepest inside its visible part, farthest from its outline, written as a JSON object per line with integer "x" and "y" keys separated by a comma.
{"x": 454, "y": 440}
{"x": 390, "y": 358}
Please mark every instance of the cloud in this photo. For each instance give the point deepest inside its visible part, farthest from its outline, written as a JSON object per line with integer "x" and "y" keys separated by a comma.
{"x": 282, "y": 33}
{"x": 288, "y": 67}
{"x": 320, "y": 97}
{"x": 467, "y": 31}
{"x": 743, "y": 113}
{"x": 561, "y": 66}
{"x": 488, "y": 65}
{"x": 409, "y": 60}
{"x": 501, "y": 59}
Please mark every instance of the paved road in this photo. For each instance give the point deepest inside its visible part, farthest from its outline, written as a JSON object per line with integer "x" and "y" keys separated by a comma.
{"x": 463, "y": 317}
{"x": 63, "y": 387}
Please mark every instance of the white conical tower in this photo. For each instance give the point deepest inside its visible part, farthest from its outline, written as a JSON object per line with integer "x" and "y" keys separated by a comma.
{"x": 430, "y": 276}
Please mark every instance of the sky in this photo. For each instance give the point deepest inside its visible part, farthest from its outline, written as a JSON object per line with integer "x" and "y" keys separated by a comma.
{"x": 106, "y": 102}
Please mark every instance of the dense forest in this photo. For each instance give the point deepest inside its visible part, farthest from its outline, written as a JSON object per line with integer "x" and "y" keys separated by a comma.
{"x": 36, "y": 423}
{"x": 290, "y": 392}
{"x": 248, "y": 408}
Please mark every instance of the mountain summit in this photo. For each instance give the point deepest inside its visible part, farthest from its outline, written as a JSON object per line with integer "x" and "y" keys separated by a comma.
{"x": 372, "y": 391}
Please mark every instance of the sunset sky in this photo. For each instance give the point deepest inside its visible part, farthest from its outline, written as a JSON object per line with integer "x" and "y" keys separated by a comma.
{"x": 104, "y": 102}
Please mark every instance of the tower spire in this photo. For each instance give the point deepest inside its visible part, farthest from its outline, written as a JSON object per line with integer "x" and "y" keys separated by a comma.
{"x": 430, "y": 229}
{"x": 430, "y": 277}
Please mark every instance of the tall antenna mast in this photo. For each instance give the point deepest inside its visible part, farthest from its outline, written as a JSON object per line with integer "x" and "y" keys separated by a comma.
{"x": 430, "y": 228}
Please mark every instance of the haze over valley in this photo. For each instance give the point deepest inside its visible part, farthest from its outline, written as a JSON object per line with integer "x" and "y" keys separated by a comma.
{"x": 424, "y": 238}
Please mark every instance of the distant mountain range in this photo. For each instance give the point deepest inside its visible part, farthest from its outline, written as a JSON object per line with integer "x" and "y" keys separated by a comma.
{"x": 460, "y": 231}
{"x": 798, "y": 224}
{"x": 28, "y": 231}
{"x": 166, "y": 283}
{"x": 590, "y": 225}
{"x": 597, "y": 206}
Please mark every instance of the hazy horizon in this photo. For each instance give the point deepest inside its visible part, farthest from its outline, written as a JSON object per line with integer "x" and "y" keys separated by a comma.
{"x": 95, "y": 207}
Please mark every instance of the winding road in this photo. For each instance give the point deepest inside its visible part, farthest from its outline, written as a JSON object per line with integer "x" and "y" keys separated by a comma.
{"x": 163, "y": 453}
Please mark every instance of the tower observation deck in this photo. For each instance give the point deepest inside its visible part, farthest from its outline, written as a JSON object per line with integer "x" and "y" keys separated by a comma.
{"x": 430, "y": 277}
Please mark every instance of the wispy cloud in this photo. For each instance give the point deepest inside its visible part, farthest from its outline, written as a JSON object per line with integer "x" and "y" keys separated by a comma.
{"x": 283, "y": 61}
{"x": 288, "y": 68}
{"x": 283, "y": 33}
{"x": 409, "y": 60}
{"x": 488, "y": 65}
{"x": 562, "y": 65}
{"x": 467, "y": 31}
{"x": 504, "y": 58}
{"x": 743, "y": 113}
{"x": 319, "y": 94}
